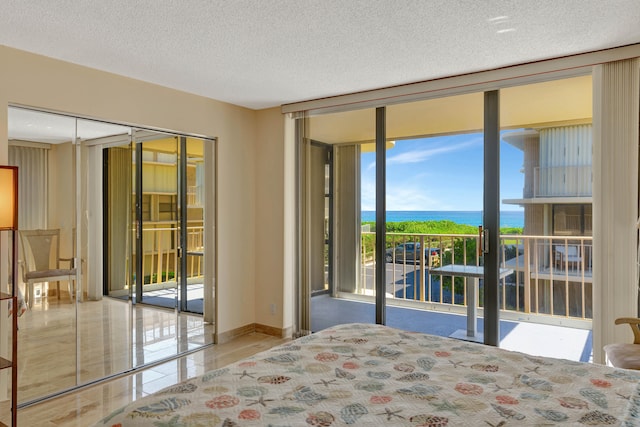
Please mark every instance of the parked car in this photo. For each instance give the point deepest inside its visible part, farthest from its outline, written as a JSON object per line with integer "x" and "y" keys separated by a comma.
{"x": 407, "y": 252}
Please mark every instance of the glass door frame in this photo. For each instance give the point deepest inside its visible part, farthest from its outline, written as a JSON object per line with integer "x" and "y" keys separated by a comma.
{"x": 181, "y": 215}
{"x": 491, "y": 218}
{"x": 137, "y": 291}
{"x": 182, "y": 223}
{"x": 329, "y": 205}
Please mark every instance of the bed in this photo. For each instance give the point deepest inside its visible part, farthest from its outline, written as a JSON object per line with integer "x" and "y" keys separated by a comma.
{"x": 372, "y": 374}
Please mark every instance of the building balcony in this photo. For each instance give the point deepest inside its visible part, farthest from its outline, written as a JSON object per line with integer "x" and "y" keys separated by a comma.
{"x": 549, "y": 284}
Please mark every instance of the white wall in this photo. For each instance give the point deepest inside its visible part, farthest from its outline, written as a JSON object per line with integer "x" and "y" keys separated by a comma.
{"x": 36, "y": 81}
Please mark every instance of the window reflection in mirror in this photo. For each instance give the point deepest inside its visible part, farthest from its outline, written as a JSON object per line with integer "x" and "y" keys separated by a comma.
{"x": 41, "y": 145}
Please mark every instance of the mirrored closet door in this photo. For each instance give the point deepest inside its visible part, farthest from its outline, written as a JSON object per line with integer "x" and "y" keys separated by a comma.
{"x": 122, "y": 209}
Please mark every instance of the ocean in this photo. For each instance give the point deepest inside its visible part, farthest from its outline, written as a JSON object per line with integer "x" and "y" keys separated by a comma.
{"x": 507, "y": 218}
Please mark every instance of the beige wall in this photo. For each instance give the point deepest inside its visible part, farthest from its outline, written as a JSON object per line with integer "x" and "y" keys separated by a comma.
{"x": 248, "y": 225}
{"x": 269, "y": 227}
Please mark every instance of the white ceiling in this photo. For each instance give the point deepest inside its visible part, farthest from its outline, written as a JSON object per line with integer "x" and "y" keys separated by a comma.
{"x": 37, "y": 126}
{"x": 264, "y": 53}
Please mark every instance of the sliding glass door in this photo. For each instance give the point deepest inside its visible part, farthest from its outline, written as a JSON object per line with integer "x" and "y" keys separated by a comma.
{"x": 424, "y": 161}
{"x": 197, "y": 192}
{"x": 546, "y": 192}
{"x": 486, "y": 205}
{"x": 339, "y": 268}
{"x": 170, "y": 199}
{"x": 435, "y": 204}
{"x": 157, "y": 219}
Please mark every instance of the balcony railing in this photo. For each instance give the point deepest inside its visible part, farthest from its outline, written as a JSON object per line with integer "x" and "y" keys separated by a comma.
{"x": 552, "y": 276}
{"x": 161, "y": 255}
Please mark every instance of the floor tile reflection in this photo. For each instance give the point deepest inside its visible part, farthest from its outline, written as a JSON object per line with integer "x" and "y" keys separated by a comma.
{"x": 56, "y": 352}
{"x": 87, "y": 406}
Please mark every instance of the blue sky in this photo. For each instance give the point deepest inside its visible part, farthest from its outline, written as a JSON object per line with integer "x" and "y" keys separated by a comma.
{"x": 442, "y": 173}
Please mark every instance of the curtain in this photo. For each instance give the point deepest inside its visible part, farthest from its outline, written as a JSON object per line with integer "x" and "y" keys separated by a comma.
{"x": 118, "y": 219}
{"x": 33, "y": 197}
{"x": 616, "y": 104}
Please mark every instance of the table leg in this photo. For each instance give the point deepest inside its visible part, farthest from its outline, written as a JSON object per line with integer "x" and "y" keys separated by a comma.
{"x": 472, "y": 310}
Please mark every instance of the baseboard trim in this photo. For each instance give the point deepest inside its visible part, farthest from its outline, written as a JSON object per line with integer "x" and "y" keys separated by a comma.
{"x": 225, "y": 337}
{"x": 251, "y": 328}
{"x": 287, "y": 332}
{"x": 269, "y": 330}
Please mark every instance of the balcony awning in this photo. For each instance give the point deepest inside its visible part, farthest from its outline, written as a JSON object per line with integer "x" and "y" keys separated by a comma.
{"x": 553, "y": 103}
{"x": 565, "y": 200}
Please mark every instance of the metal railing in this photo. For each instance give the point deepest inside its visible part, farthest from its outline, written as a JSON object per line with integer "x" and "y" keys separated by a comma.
{"x": 192, "y": 196}
{"x": 552, "y": 276}
{"x": 161, "y": 254}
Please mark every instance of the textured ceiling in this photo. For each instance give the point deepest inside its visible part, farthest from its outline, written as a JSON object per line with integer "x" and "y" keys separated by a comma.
{"x": 263, "y": 53}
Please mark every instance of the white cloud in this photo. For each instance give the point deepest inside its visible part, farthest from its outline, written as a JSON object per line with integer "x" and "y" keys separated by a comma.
{"x": 405, "y": 195}
{"x": 413, "y": 198}
{"x": 413, "y": 189}
{"x": 368, "y": 195}
{"x": 417, "y": 156}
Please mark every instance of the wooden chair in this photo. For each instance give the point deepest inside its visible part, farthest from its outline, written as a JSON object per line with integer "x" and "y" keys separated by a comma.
{"x": 623, "y": 355}
{"x": 41, "y": 261}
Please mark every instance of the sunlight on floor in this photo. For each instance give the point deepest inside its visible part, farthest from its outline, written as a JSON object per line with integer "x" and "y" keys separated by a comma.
{"x": 546, "y": 340}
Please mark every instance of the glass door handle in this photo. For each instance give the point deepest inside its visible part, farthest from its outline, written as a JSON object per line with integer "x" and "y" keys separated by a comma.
{"x": 485, "y": 240}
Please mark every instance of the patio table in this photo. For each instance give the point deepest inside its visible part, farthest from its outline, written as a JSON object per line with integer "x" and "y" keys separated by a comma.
{"x": 474, "y": 272}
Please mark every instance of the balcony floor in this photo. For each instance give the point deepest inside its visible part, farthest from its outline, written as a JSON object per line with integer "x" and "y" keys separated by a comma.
{"x": 531, "y": 338}
{"x": 168, "y": 297}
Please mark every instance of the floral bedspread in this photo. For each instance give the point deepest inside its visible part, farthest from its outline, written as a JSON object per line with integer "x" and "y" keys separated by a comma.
{"x": 371, "y": 374}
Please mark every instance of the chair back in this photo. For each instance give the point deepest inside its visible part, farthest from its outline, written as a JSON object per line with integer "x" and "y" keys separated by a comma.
{"x": 40, "y": 249}
{"x": 572, "y": 250}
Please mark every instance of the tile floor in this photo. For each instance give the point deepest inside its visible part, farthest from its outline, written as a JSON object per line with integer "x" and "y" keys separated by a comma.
{"x": 154, "y": 334}
{"x": 87, "y": 406}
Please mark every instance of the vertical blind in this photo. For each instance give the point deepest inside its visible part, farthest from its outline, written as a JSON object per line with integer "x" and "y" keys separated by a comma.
{"x": 616, "y": 105}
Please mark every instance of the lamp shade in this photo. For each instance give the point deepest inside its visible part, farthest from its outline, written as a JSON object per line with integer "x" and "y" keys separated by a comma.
{"x": 8, "y": 197}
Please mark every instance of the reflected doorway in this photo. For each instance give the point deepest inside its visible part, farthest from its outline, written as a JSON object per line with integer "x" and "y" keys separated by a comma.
{"x": 157, "y": 223}
{"x": 156, "y": 210}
